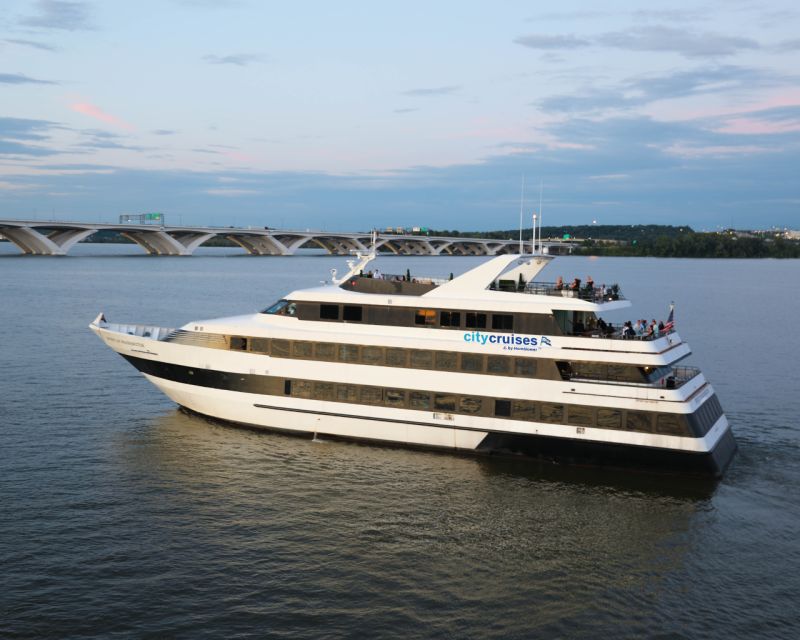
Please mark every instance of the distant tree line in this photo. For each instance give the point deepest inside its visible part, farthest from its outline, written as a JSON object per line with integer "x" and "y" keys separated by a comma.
{"x": 593, "y": 231}
{"x": 698, "y": 245}
{"x": 663, "y": 241}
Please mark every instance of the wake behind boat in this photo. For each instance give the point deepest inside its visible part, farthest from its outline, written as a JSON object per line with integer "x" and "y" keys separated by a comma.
{"x": 491, "y": 362}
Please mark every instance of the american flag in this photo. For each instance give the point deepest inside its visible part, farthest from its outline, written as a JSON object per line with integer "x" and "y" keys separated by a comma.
{"x": 670, "y": 324}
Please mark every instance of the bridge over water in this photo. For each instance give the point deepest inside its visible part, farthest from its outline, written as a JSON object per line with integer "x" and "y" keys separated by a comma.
{"x": 56, "y": 238}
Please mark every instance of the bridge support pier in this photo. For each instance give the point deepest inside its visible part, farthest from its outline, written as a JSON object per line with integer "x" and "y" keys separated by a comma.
{"x": 161, "y": 243}
{"x": 56, "y": 243}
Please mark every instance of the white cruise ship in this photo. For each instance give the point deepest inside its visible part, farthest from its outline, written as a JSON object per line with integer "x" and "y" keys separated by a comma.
{"x": 491, "y": 362}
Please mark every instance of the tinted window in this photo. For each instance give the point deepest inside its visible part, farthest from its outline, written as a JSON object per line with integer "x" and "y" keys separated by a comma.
{"x": 471, "y": 362}
{"x": 638, "y": 421}
{"x": 421, "y": 359}
{"x": 446, "y": 361}
{"x": 502, "y": 408}
{"x": 498, "y": 364}
{"x": 372, "y": 355}
{"x": 325, "y": 351}
{"x": 444, "y": 402}
{"x": 469, "y": 405}
{"x": 502, "y": 322}
{"x": 524, "y": 367}
{"x": 329, "y": 311}
{"x": 302, "y": 388}
{"x": 581, "y": 415}
{"x": 450, "y": 319}
{"x": 371, "y": 395}
{"x": 420, "y": 400}
{"x": 261, "y": 345}
{"x": 239, "y": 343}
{"x": 553, "y": 413}
{"x": 425, "y": 317}
{"x": 301, "y": 349}
{"x": 323, "y": 391}
{"x": 348, "y": 353}
{"x": 669, "y": 424}
{"x": 609, "y": 418}
{"x": 396, "y": 357}
{"x": 280, "y": 348}
{"x": 394, "y": 397}
{"x": 277, "y": 307}
{"x": 346, "y": 393}
{"x": 351, "y": 314}
{"x": 523, "y": 410}
{"x": 476, "y": 320}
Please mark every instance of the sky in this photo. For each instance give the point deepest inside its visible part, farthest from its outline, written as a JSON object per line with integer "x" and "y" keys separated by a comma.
{"x": 352, "y": 115}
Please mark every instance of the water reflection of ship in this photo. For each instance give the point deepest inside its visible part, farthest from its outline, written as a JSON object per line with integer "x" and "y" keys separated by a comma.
{"x": 182, "y": 442}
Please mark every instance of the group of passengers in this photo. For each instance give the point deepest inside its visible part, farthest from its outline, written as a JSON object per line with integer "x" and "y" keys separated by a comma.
{"x": 642, "y": 330}
{"x": 593, "y": 327}
{"x": 587, "y": 290}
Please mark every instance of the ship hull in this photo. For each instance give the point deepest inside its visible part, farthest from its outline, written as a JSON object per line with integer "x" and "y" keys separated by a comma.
{"x": 397, "y": 427}
{"x": 226, "y": 386}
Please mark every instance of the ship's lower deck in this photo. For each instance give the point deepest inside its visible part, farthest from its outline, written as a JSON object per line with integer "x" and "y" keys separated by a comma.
{"x": 302, "y": 416}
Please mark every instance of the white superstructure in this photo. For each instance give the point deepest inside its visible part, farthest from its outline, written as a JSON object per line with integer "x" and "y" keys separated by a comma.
{"x": 491, "y": 361}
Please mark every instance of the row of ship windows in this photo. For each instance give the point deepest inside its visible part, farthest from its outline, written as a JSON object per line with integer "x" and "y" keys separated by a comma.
{"x": 446, "y": 360}
{"x": 531, "y": 411}
{"x": 426, "y": 317}
{"x": 388, "y": 356}
{"x": 397, "y": 316}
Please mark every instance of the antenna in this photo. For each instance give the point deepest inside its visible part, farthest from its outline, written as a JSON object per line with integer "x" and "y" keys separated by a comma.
{"x": 540, "y": 216}
{"x": 521, "y": 207}
{"x": 533, "y": 247}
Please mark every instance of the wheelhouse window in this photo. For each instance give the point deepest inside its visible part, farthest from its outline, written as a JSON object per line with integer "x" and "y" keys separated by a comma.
{"x": 279, "y": 306}
{"x": 329, "y": 312}
{"x": 352, "y": 313}
{"x": 502, "y": 322}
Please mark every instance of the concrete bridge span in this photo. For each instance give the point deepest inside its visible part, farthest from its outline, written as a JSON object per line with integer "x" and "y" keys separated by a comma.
{"x": 56, "y": 238}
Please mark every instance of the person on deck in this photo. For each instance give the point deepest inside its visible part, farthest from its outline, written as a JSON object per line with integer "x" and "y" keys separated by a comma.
{"x": 559, "y": 283}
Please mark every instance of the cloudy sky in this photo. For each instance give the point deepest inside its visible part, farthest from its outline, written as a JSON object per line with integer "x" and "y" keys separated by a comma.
{"x": 355, "y": 114}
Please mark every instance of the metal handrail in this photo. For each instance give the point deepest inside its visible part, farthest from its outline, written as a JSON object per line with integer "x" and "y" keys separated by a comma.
{"x": 397, "y": 277}
{"x": 595, "y": 294}
{"x": 680, "y": 376}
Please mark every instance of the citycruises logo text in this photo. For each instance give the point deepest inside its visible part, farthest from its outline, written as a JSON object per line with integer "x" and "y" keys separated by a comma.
{"x": 511, "y": 342}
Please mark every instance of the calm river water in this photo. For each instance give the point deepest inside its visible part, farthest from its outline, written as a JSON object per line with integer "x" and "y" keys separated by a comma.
{"x": 120, "y": 516}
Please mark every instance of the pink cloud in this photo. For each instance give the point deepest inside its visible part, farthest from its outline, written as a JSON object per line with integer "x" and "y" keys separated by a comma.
{"x": 753, "y": 126}
{"x": 720, "y": 151}
{"x": 98, "y": 114}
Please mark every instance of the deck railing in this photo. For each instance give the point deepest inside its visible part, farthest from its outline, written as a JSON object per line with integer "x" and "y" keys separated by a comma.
{"x": 595, "y": 294}
{"x": 679, "y": 377}
{"x": 396, "y": 277}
